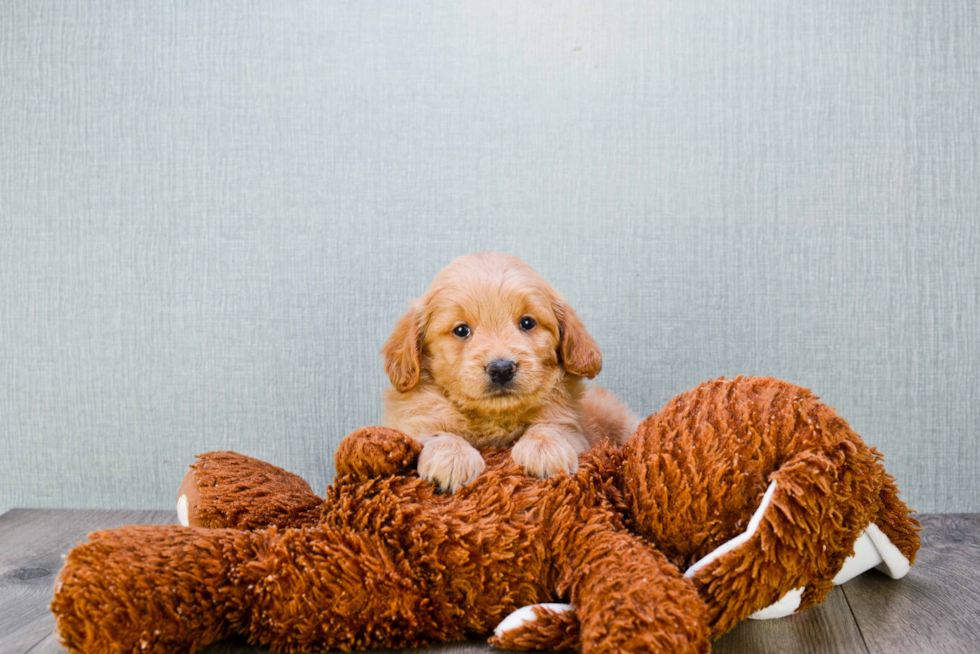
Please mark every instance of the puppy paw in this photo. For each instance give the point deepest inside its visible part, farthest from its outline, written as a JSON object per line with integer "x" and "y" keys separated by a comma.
{"x": 449, "y": 462}
{"x": 542, "y": 453}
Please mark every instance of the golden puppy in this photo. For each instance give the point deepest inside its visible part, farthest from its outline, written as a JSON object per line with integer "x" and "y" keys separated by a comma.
{"x": 491, "y": 355}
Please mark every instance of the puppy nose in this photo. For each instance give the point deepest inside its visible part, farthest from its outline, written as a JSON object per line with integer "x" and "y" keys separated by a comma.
{"x": 501, "y": 371}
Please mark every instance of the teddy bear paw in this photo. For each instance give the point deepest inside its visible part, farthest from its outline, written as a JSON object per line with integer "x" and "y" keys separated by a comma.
{"x": 873, "y": 549}
{"x": 546, "y": 626}
{"x": 188, "y": 498}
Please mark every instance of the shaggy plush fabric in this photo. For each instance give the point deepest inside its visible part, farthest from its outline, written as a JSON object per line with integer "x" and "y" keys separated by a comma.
{"x": 696, "y": 471}
{"x": 375, "y": 452}
{"x": 391, "y": 564}
{"x": 385, "y": 561}
{"x": 227, "y": 489}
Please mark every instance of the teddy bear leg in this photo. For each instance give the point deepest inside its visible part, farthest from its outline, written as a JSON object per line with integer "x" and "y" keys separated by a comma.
{"x": 226, "y": 489}
{"x": 805, "y": 526}
{"x": 151, "y": 589}
{"x": 789, "y": 602}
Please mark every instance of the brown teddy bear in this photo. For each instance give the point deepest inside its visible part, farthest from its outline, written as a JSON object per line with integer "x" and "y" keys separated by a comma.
{"x": 740, "y": 497}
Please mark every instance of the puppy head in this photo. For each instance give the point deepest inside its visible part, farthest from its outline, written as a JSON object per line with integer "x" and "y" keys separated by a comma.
{"x": 492, "y": 334}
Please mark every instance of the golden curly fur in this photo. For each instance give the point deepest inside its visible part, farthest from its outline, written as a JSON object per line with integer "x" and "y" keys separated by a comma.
{"x": 485, "y": 308}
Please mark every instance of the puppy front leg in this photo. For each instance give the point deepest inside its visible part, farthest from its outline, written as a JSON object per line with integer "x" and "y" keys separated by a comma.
{"x": 448, "y": 461}
{"x": 545, "y": 450}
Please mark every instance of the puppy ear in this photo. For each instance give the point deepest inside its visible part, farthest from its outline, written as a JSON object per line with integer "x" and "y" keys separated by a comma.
{"x": 580, "y": 354}
{"x": 403, "y": 351}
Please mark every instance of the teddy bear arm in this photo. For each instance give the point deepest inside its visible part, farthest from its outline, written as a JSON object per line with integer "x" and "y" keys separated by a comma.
{"x": 629, "y": 598}
{"x": 376, "y": 452}
{"x": 226, "y": 489}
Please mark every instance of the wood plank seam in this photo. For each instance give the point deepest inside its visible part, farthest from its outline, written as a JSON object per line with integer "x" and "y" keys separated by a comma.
{"x": 857, "y": 623}
{"x": 38, "y": 643}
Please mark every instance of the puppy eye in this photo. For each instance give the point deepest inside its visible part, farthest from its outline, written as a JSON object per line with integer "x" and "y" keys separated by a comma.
{"x": 526, "y": 323}
{"x": 461, "y": 330}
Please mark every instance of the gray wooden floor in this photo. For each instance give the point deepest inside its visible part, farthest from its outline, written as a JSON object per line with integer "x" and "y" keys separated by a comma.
{"x": 936, "y": 608}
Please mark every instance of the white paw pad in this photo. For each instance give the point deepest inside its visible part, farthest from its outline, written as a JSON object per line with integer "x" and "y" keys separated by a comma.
{"x": 525, "y": 615}
{"x": 182, "y": 511}
{"x": 873, "y": 549}
{"x": 785, "y": 605}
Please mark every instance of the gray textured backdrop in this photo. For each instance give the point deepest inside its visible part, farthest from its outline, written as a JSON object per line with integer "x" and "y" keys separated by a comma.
{"x": 212, "y": 213}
